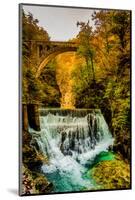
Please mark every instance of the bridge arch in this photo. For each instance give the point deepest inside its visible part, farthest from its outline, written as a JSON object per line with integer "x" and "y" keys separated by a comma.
{"x": 52, "y": 55}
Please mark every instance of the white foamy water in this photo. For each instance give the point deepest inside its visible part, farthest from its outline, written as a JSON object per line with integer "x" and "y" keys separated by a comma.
{"x": 70, "y": 143}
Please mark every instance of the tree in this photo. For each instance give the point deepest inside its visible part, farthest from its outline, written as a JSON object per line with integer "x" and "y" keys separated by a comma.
{"x": 110, "y": 47}
{"x": 42, "y": 89}
{"x": 85, "y": 48}
{"x": 50, "y": 87}
{"x": 116, "y": 25}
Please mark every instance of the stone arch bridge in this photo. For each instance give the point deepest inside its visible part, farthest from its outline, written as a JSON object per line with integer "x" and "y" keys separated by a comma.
{"x": 46, "y": 50}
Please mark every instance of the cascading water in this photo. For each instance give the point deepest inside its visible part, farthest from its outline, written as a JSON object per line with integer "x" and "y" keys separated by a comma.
{"x": 71, "y": 139}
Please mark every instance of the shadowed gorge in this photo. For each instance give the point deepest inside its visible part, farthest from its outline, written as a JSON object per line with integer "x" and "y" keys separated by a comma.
{"x": 65, "y": 66}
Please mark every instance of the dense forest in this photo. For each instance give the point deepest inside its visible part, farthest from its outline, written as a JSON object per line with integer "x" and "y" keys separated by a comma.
{"x": 104, "y": 81}
{"x": 98, "y": 78}
{"x": 36, "y": 90}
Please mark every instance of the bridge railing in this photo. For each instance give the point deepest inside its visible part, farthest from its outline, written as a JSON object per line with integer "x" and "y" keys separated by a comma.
{"x": 58, "y": 43}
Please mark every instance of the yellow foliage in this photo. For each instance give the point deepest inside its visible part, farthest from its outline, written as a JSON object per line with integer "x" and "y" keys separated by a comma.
{"x": 113, "y": 174}
{"x": 65, "y": 65}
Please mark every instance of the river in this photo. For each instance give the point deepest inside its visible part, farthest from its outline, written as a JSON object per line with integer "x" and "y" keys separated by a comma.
{"x": 73, "y": 141}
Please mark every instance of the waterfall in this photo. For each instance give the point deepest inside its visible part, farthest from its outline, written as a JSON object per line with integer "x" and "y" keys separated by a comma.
{"x": 71, "y": 139}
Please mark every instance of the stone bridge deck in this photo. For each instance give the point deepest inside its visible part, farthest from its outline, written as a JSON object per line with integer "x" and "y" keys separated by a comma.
{"x": 47, "y": 50}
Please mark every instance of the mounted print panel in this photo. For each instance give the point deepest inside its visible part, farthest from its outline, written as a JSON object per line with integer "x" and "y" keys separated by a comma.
{"x": 75, "y": 115}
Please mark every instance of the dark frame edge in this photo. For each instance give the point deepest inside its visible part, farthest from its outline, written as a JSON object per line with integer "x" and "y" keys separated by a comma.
{"x": 131, "y": 98}
{"x": 67, "y": 6}
{"x": 20, "y": 100}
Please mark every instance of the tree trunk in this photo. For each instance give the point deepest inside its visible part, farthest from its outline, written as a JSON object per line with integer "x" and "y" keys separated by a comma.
{"x": 33, "y": 116}
{"x": 24, "y": 117}
{"x": 93, "y": 72}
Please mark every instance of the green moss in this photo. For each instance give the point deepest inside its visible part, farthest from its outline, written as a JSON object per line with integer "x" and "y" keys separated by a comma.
{"x": 112, "y": 174}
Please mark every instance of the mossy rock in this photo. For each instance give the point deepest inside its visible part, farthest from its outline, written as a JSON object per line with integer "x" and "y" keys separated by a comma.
{"x": 32, "y": 158}
{"x": 42, "y": 185}
{"x": 112, "y": 174}
{"x": 35, "y": 183}
{"x": 28, "y": 186}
